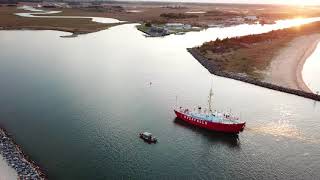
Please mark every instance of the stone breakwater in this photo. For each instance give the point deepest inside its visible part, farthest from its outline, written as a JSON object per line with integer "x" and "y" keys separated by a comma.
{"x": 25, "y": 168}
{"x": 214, "y": 70}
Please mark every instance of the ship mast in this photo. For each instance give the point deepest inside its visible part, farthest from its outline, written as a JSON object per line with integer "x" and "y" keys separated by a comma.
{"x": 210, "y": 99}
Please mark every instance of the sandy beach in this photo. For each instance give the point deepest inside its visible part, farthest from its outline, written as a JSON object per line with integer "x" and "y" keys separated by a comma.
{"x": 7, "y": 172}
{"x": 286, "y": 67}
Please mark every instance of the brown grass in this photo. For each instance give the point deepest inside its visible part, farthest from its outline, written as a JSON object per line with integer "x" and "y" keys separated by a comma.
{"x": 10, "y": 21}
{"x": 252, "y": 54}
{"x": 256, "y": 58}
{"x": 151, "y": 12}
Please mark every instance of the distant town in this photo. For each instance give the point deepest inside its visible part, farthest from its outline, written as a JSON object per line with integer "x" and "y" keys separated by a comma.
{"x": 158, "y": 19}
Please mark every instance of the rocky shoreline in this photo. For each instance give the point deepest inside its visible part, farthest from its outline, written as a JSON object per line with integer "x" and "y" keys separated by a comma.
{"x": 214, "y": 70}
{"x": 12, "y": 153}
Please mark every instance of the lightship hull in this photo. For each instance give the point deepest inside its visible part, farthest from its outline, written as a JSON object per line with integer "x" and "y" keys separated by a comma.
{"x": 213, "y": 126}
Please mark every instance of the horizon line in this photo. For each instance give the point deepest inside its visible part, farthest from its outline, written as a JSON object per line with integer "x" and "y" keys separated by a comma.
{"x": 207, "y": 2}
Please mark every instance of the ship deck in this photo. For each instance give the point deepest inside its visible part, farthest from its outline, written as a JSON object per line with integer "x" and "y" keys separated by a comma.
{"x": 214, "y": 117}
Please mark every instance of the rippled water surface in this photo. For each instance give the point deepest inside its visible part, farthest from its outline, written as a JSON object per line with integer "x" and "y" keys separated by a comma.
{"x": 76, "y": 105}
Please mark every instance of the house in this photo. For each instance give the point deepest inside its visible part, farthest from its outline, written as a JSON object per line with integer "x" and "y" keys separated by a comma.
{"x": 251, "y": 18}
{"x": 238, "y": 19}
{"x": 178, "y": 26}
{"x": 157, "y": 31}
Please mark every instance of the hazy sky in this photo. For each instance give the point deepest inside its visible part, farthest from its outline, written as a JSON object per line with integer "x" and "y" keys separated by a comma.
{"x": 296, "y": 2}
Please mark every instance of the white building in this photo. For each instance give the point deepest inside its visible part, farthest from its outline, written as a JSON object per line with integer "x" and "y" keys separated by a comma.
{"x": 238, "y": 19}
{"x": 251, "y": 18}
{"x": 178, "y": 26}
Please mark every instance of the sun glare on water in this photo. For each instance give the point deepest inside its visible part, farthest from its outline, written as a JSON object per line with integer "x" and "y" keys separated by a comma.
{"x": 295, "y": 22}
{"x": 298, "y": 21}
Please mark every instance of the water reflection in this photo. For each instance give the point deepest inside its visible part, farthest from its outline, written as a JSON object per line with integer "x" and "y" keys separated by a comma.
{"x": 283, "y": 129}
{"x": 29, "y": 8}
{"x": 231, "y": 140}
{"x": 36, "y": 12}
{"x": 279, "y": 128}
{"x": 296, "y": 21}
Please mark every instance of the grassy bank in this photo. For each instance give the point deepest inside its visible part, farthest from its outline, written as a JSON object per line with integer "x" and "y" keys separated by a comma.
{"x": 147, "y": 28}
{"x": 251, "y": 55}
{"x": 154, "y": 13}
{"x": 78, "y": 26}
{"x": 217, "y": 71}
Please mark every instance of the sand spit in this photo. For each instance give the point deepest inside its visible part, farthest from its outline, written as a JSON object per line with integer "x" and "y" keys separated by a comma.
{"x": 214, "y": 70}
{"x": 286, "y": 67}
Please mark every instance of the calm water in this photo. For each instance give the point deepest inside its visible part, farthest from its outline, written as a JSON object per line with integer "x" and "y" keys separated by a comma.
{"x": 76, "y": 105}
{"x": 36, "y": 12}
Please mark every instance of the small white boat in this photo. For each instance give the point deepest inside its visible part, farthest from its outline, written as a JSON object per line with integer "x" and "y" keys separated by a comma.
{"x": 148, "y": 137}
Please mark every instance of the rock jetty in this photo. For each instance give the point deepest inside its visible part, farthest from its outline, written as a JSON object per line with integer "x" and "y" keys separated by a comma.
{"x": 25, "y": 168}
{"x": 215, "y": 70}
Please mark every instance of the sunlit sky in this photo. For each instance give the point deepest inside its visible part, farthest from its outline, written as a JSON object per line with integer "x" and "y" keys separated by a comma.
{"x": 289, "y": 2}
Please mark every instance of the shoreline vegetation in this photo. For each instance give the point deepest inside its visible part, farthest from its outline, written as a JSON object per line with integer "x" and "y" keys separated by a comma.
{"x": 159, "y": 30}
{"x": 17, "y": 160}
{"x": 10, "y": 21}
{"x": 204, "y": 62}
{"x": 155, "y": 13}
{"x": 273, "y": 60}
